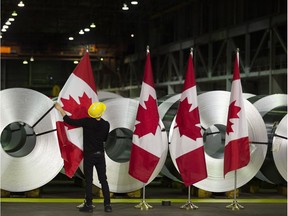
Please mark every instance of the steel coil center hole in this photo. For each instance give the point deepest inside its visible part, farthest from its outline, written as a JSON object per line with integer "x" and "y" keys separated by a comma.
{"x": 18, "y": 139}
{"x": 118, "y": 145}
{"x": 214, "y": 141}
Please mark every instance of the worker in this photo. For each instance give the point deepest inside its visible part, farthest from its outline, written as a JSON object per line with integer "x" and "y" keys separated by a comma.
{"x": 95, "y": 133}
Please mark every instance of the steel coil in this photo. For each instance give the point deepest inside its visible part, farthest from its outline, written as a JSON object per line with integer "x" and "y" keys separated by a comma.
{"x": 30, "y": 155}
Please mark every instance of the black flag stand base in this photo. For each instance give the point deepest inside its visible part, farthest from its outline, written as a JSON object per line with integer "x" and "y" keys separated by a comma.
{"x": 189, "y": 205}
{"x": 235, "y": 205}
{"x": 143, "y": 205}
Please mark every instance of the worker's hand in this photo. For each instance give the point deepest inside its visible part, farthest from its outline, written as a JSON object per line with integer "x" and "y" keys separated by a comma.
{"x": 60, "y": 109}
{"x": 58, "y": 106}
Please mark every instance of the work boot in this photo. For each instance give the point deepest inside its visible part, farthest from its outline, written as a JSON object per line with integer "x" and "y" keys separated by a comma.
{"x": 86, "y": 208}
{"x": 108, "y": 208}
{"x": 82, "y": 205}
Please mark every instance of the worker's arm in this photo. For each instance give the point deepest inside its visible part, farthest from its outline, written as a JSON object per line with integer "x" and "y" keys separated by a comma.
{"x": 67, "y": 119}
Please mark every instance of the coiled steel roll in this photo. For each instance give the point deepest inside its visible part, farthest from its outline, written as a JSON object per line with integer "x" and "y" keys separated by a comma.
{"x": 30, "y": 155}
{"x": 272, "y": 108}
{"x": 213, "y": 107}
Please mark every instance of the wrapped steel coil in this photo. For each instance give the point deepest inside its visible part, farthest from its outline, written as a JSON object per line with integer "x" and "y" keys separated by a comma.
{"x": 121, "y": 113}
{"x": 30, "y": 155}
{"x": 279, "y": 148}
{"x": 272, "y": 109}
{"x": 104, "y": 95}
{"x": 213, "y": 108}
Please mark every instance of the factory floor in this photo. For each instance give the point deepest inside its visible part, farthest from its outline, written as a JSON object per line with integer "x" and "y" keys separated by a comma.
{"x": 58, "y": 199}
{"x": 127, "y": 209}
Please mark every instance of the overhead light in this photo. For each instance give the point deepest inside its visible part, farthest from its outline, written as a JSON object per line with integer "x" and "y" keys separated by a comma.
{"x": 75, "y": 62}
{"x": 125, "y": 7}
{"x": 86, "y": 29}
{"x": 11, "y": 19}
{"x": 132, "y": 35}
{"x": 0, "y": 36}
{"x": 81, "y": 32}
{"x": 14, "y": 14}
{"x": 101, "y": 59}
{"x": 8, "y": 23}
{"x": 3, "y": 30}
{"x": 31, "y": 59}
{"x": 134, "y": 2}
{"x": 70, "y": 38}
{"x": 25, "y": 62}
{"x": 21, "y": 4}
{"x": 92, "y": 25}
{"x": 5, "y": 27}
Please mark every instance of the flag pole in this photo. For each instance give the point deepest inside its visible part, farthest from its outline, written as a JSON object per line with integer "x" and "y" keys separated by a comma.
{"x": 189, "y": 205}
{"x": 143, "y": 205}
{"x": 235, "y": 205}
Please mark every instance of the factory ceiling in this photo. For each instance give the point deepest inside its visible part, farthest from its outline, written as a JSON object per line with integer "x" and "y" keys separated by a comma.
{"x": 43, "y": 27}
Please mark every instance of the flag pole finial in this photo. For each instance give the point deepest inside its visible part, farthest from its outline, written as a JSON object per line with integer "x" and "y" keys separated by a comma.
{"x": 87, "y": 48}
{"x": 237, "y": 50}
{"x": 147, "y": 49}
{"x": 191, "y": 50}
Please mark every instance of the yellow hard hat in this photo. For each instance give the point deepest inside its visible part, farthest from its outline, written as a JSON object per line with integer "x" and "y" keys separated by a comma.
{"x": 96, "y": 109}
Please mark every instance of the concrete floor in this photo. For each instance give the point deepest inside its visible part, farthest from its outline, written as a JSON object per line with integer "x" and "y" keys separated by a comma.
{"x": 61, "y": 199}
{"x": 127, "y": 209}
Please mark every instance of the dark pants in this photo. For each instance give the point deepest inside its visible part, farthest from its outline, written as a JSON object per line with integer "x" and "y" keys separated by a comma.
{"x": 97, "y": 160}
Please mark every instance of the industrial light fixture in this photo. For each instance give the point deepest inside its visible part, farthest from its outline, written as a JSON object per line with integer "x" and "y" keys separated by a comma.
{"x": 3, "y": 30}
{"x": 8, "y": 23}
{"x": 25, "y": 62}
{"x": 31, "y": 59}
{"x": 5, "y": 27}
{"x": 21, "y": 4}
{"x": 125, "y": 7}
{"x": 132, "y": 35}
{"x": 71, "y": 38}
{"x": 75, "y": 62}
{"x": 101, "y": 59}
{"x": 81, "y": 32}
{"x": 11, "y": 19}
{"x": 14, "y": 14}
{"x": 86, "y": 29}
{"x": 92, "y": 25}
{"x": 134, "y": 2}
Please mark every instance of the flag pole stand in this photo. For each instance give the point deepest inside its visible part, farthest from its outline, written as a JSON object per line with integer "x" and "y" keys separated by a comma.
{"x": 235, "y": 205}
{"x": 143, "y": 205}
{"x": 189, "y": 205}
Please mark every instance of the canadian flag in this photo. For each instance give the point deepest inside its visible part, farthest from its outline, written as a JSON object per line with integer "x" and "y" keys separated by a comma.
{"x": 76, "y": 96}
{"x": 236, "y": 152}
{"x": 186, "y": 145}
{"x": 147, "y": 143}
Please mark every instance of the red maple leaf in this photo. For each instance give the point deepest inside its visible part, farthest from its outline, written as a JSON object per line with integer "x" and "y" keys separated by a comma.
{"x": 77, "y": 110}
{"x": 232, "y": 113}
{"x": 187, "y": 120}
{"x": 148, "y": 118}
